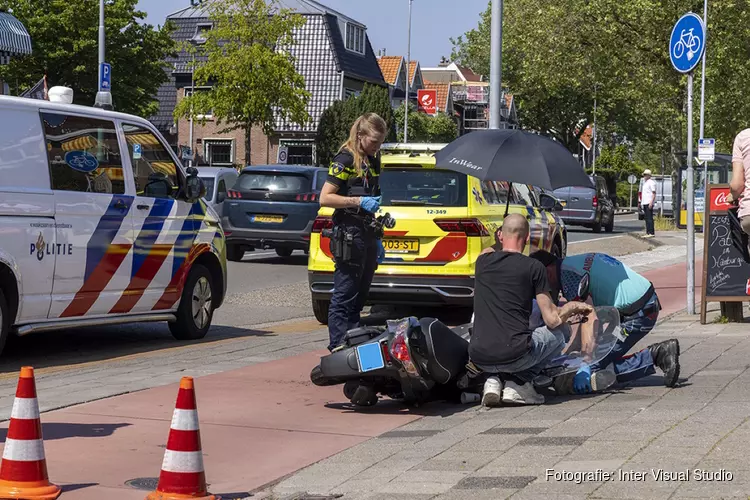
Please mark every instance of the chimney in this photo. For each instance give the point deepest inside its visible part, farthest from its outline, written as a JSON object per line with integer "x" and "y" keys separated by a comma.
{"x": 195, "y": 3}
{"x": 444, "y": 62}
{"x": 383, "y": 51}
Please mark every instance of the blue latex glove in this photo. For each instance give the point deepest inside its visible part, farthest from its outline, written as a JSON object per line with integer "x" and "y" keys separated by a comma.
{"x": 370, "y": 203}
{"x": 582, "y": 380}
{"x": 381, "y": 252}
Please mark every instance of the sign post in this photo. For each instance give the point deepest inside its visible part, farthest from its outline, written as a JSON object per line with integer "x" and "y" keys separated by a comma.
{"x": 631, "y": 180}
{"x": 686, "y": 46}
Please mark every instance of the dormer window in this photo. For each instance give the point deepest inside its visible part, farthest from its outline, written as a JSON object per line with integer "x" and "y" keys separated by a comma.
{"x": 200, "y": 34}
{"x": 355, "y": 38}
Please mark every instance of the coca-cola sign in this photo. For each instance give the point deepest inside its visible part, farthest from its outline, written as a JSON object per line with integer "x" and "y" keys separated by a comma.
{"x": 719, "y": 199}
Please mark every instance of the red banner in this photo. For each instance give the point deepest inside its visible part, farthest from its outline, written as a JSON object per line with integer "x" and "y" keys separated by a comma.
{"x": 427, "y": 101}
{"x": 718, "y": 200}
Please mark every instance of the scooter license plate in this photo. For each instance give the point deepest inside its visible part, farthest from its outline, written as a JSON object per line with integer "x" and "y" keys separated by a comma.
{"x": 370, "y": 357}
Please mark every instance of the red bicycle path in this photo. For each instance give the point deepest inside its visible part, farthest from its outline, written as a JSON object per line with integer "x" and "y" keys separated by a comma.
{"x": 258, "y": 423}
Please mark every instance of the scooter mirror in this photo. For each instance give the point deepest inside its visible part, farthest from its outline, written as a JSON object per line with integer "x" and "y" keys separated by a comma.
{"x": 583, "y": 288}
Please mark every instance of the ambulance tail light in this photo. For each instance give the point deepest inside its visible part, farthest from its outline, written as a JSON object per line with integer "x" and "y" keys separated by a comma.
{"x": 470, "y": 227}
{"x": 321, "y": 223}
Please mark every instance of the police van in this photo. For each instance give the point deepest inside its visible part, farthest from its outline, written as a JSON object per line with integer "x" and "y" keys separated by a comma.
{"x": 100, "y": 224}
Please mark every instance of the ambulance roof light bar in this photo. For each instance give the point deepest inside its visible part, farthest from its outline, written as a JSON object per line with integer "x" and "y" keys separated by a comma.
{"x": 425, "y": 148}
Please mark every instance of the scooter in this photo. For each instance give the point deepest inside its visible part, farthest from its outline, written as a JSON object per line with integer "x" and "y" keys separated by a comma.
{"x": 419, "y": 360}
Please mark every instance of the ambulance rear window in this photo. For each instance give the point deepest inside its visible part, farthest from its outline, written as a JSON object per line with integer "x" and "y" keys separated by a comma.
{"x": 422, "y": 187}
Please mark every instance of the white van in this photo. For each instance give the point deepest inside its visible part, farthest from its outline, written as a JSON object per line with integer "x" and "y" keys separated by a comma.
{"x": 99, "y": 224}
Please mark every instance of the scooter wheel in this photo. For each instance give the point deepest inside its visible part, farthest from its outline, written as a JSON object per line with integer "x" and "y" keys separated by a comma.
{"x": 350, "y": 388}
{"x": 364, "y": 396}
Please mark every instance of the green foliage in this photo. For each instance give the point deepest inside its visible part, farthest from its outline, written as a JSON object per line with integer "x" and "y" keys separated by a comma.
{"x": 425, "y": 128}
{"x": 64, "y": 37}
{"x": 336, "y": 121}
{"x": 252, "y": 83}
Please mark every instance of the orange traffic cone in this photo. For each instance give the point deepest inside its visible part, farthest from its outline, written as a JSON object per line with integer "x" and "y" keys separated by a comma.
{"x": 182, "y": 474}
{"x": 23, "y": 473}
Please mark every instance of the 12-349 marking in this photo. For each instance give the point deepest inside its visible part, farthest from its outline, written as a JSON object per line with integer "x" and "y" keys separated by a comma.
{"x": 436, "y": 212}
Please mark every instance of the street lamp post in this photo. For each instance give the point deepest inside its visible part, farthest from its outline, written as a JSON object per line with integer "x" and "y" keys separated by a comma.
{"x": 408, "y": 83}
{"x": 103, "y": 98}
{"x": 192, "y": 93}
{"x": 703, "y": 99}
{"x": 496, "y": 62}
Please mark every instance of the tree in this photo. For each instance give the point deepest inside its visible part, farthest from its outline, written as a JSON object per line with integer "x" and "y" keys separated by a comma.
{"x": 252, "y": 78}
{"x": 336, "y": 121}
{"x": 425, "y": 128}
{"x": 64, "y": 37}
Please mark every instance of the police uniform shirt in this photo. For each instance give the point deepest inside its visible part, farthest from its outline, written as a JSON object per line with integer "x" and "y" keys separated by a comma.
{"x": 343, "y": 175}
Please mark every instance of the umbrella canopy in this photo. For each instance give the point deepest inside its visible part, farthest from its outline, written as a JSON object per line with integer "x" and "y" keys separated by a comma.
{"x": 513, "y": 156}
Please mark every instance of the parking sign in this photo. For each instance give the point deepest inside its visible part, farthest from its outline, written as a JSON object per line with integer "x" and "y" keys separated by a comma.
{"x": 105, "y": 76}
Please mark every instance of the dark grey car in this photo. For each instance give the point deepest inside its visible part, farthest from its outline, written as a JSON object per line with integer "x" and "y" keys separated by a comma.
{"x": 589, "y": 207}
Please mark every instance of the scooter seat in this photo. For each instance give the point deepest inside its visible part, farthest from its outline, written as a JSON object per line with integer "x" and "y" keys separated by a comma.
{"x": 447, "y": 353}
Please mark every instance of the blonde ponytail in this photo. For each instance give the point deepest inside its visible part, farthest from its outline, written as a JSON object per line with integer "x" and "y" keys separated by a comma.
{"x": 369, "y": 124}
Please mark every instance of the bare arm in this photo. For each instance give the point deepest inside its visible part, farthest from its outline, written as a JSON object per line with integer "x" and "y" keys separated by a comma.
{"x": 737, "y": 184}
{"x": 555, "y": 316}
{"x": 330, "y": 199}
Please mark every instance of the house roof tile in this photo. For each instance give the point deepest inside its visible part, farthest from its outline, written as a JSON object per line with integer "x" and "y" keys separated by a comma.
{"x": 443, "y": 91}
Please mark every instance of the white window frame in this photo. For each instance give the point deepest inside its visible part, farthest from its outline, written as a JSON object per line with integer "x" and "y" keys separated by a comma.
{"x": 207, "y": 142}
{"x": 349, "y": 93}
{"x": 189, "y": 92}
{"x": 358, "y": 40}
{"x": 200, "y": 40}
{"x": 296, "y": 142}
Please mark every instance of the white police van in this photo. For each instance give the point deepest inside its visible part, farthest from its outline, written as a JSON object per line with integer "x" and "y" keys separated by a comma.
{"x": 100, "y": 224}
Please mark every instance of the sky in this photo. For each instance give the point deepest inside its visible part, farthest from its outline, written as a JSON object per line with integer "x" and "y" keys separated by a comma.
{"x": 434, "y": 22}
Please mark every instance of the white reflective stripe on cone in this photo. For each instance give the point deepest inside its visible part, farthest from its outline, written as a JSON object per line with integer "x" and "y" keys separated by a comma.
{"x": 185, "y": 420}
{"x": 182, "y": 461}
{"x": 24, "y": 450}
{"x": 25, "y": 408}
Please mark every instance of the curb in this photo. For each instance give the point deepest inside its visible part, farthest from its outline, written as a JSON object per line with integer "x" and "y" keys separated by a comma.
{"x": 624, "y": 211}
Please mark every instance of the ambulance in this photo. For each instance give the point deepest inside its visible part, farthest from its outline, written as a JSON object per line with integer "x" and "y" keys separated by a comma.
{"x": 100, "y": 224}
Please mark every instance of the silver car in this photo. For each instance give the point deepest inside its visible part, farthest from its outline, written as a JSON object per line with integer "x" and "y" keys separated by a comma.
{"x": 217, "y": 180}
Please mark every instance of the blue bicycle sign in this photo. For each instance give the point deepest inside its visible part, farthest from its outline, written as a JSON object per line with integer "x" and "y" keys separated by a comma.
{"x": 81, "y": 161}
{"x": 687, "y": 43}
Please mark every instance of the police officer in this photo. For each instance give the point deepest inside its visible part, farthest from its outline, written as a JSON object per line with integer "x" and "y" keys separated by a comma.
{"x": 352, "y": 189}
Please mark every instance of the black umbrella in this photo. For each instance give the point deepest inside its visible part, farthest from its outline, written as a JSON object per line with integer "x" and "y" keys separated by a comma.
{"x": 513, "y": 156}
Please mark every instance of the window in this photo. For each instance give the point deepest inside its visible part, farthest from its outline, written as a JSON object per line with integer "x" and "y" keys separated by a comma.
{"x": 321, "y": 179}
{"x": 355, "y": 38}
{"x": 488, "y": 191}
{"x": 221, "y": 191}
{"x": 200, "y": 33}
{"x": 209, "y": 183}
{"x": 299, "y": 152}
{"x": 523, "y": 195}
{"x": 501, "y": 188}
{"x": 351, "y": 93}
{"x": 202, "y": 114}
{"x": 155, "y": 172}
{"x": 409, "y": 186}
{"x": 275, "y": 182}
{"x": 218, "y": 152}
{"x": 83, "y": 154}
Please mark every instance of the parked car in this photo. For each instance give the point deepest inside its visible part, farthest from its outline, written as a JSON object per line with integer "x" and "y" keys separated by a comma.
{"x": 218, "y": 180}
{"x": 272, "y": 206}
{"x": 589, "y": 207}
{"x": 101, "y": 225}
{"x": 663, "y": 196}
{"x": 444, "y": 219}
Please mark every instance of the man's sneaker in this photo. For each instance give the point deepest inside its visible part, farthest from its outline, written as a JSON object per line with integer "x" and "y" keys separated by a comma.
{"x": 666, "y": 357}
{"x": 492, "y": 391}
{"x": 600, "y": 381}
{"x": 521, "y": 394}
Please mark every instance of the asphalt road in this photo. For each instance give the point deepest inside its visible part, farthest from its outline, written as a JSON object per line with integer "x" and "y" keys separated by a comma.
{"x": 623, "y": 224}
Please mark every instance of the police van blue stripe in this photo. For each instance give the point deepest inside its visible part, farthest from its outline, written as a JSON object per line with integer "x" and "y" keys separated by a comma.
{"x": 187, "y": 235}
{"x": 151, "y": 229}
{"x": 106, "y": 231}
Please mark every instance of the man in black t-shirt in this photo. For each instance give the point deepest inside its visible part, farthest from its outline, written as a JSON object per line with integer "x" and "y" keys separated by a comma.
{"x": 506, "y": 283}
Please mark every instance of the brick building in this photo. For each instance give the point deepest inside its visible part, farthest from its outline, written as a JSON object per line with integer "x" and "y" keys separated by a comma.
{"x": 333, "y": 54}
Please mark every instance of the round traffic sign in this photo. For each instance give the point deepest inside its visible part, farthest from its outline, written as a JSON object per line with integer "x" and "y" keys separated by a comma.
{"x": 632, "y": 179}
{"x": 687, "y": 43}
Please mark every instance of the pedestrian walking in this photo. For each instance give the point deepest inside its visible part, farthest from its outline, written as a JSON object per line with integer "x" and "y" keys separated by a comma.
{"x": 648, "y": 197}
{"x": 740, "y": 183}
{"x": 353, "y": 190}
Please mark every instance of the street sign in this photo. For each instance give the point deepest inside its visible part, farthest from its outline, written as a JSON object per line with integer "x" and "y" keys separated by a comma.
{"x": 427, "y": 100}
{"x": 706, "y": 149}
{"x": 283, "y": 155}
{"x": 105, "y": 76}
{"x": 632, "y": 179}
{"x": 187, "y": 153}
{"x": 136, "y": 151}
{"x": 687, "y": 43}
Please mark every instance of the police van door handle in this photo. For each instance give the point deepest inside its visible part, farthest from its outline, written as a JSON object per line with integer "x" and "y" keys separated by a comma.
{"x": 120, "y": 205}
{"x": 142, "y": 207}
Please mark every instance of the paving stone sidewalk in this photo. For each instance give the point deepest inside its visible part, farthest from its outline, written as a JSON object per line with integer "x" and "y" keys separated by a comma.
{"x": 652, "y": 441}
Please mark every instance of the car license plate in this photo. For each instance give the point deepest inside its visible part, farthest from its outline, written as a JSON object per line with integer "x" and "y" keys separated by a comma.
{"x": 273, "y": 219}
{"x": 401, "y": 246}
{"x": 370, "y": 357}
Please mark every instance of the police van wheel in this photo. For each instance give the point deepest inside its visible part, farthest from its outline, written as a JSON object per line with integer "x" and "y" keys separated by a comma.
{"x": 320, "y": 309}
{"x": 196, "y": 307}
{"x": 4, "y": 320}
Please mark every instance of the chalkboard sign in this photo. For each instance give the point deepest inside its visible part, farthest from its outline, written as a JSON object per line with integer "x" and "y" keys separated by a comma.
{"x": 726, "y": 266}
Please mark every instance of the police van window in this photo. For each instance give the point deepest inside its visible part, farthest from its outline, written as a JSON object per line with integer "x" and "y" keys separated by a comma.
{"x": 154, "y": 171}
{"x": 522, "y": 195}
{"x": 83, "y": 154}
{"x": 488, "y": 191}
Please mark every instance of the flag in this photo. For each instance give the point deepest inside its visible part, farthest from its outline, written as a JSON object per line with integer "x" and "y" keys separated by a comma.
{"x": 38, "y": 91}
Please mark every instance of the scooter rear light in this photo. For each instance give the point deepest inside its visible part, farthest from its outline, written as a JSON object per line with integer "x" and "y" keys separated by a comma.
{"x": 386, "y": 355}
{"x": 400, "y": 351}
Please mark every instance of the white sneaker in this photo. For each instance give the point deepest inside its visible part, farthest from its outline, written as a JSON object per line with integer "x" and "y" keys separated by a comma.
{"x": 521, "y": 394}
{"x": 492, "y": 390}
{"x": 602, "y": 379}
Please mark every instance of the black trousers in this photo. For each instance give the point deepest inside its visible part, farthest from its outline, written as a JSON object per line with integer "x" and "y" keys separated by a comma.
{"x": 648, "y": 215}
{"x": 351, "y": 285}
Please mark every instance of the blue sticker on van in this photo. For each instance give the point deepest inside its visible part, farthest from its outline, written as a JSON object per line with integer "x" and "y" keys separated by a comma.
{"x": 81, "y": 161}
